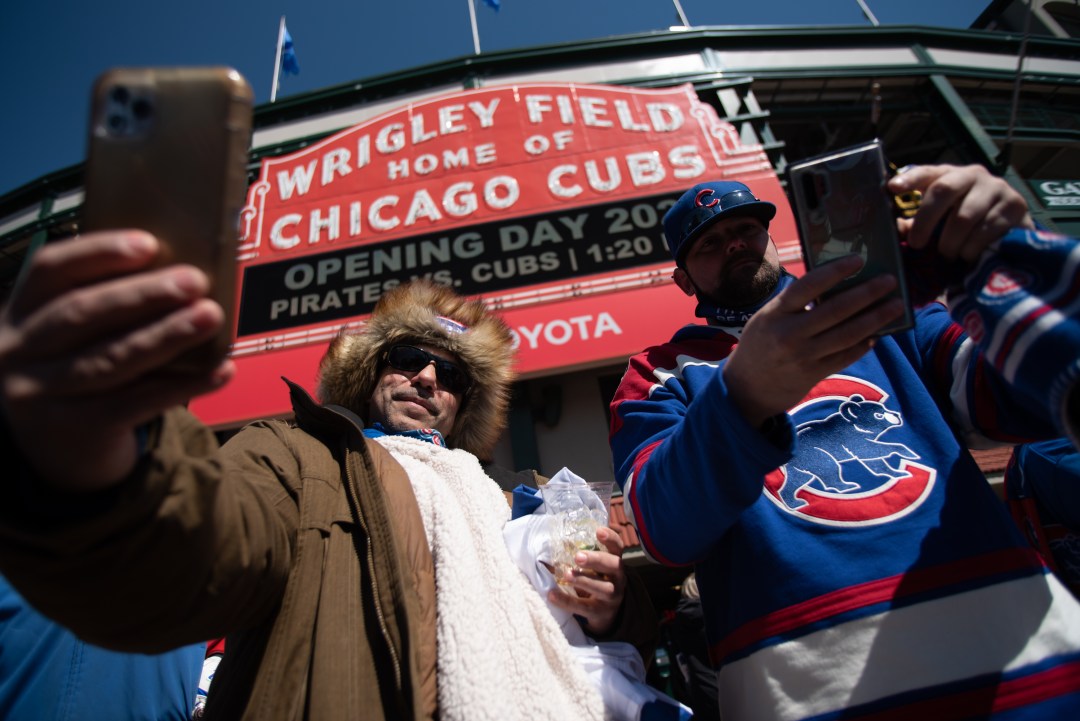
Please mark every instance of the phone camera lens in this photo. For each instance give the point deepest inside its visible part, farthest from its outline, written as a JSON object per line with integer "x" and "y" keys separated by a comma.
{"x": 120, "y": 94}
{"x": 117, "y": 123}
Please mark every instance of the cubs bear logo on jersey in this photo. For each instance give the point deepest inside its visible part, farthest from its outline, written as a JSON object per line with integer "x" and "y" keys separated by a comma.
{"x": 846, "y": 470}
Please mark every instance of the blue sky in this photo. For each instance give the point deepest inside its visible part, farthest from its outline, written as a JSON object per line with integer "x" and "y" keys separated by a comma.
{"x": 53, "y": 50}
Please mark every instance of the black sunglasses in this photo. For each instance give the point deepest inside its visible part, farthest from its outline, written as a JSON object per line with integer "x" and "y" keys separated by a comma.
{"x": 412, "y": 359}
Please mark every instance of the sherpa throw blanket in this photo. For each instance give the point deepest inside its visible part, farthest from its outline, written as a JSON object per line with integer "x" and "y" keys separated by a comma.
{"x": 501, "y": 654}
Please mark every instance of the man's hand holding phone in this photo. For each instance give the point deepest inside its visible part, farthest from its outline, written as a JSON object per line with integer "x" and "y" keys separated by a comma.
{"x": 822, "y": 322}
{"x": 806, "y": 333}
{"x": 107, "y": 330}
{"x": 84, "y": 347}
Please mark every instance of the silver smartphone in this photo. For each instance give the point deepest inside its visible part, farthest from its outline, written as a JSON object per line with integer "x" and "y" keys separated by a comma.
{"x": 843, "y": 208}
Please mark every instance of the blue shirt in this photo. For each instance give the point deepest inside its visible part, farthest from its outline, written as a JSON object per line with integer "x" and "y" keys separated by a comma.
{"x": 48, "y": 673}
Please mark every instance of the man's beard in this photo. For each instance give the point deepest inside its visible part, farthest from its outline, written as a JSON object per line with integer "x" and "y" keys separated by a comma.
{"x": 744, "y": 289}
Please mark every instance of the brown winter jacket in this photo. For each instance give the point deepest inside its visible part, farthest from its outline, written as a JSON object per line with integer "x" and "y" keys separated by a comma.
{"x": 302, "y": 544}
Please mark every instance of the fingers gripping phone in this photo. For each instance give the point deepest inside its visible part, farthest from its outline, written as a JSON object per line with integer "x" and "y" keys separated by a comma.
{"x": 167, "y": 153}
{"x": 842, "y": 208}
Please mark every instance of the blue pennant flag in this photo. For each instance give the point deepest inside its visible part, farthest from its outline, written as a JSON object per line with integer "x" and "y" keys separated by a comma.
{"x": 493, "y": 4}
{"x": 289, "y": 64}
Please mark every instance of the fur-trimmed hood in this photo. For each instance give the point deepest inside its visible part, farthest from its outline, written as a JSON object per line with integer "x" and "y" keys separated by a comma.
{"x": 407, "y": 314}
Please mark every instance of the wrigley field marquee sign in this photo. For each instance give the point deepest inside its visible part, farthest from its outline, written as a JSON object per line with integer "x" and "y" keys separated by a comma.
{"x": 544, "y": 199}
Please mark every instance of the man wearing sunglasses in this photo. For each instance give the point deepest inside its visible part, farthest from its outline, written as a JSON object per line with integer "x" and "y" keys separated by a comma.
{"x": 430, "y": 369}
{"x": 852, "y": 560}
{"x": 418, "y": 387}
{"x": 311, "y": 546}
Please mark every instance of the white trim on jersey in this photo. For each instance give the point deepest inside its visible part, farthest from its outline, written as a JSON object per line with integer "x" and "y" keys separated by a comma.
{"x": 1005, "y": 627}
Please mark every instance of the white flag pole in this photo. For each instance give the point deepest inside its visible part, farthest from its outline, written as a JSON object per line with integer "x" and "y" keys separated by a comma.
{"x": 682, "y": 15}
{"x": 475, "y": 33}
{"x": 867, "y": 14}
{"x": 277, "y": 58}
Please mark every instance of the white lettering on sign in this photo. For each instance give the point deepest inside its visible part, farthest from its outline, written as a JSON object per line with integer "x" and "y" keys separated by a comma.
{"x": 518, "y": 266}
{"x": 492, "y": 154}
{"x": 424, "y": 164}
{"x": 1058, "y": 193}
{"x": 515, "y": 237}
{"x": 594, "y": 112}
{"x": 298, "y": 181}
{"x": 459, "y": 200}
{"x": 1060, "y": 187}
{"x": 540, "y": 144}
{"x": 392, "y": 138}
{"x": 389, "y": 139}
{"x": 298, "y": 307}
{"x": 363, "y": 263}
{"x": 560, "y": 331}
{"x": 644, "y": 169}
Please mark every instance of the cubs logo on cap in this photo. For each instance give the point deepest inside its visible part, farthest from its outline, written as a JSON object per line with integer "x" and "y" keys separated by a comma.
{"x": 705, "y": 204}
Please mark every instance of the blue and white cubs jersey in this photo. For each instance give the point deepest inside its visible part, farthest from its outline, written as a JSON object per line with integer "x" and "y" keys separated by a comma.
{"x": 857, "y": 564}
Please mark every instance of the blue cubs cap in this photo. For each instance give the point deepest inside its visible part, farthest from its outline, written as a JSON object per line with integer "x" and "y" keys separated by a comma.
{"x": 703, "y": 205}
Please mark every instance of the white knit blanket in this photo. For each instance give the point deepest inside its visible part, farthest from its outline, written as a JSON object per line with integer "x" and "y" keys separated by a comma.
{"x": 501, "y": 654}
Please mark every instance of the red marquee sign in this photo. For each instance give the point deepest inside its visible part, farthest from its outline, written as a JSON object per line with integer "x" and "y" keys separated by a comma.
{"x": 544, "y": 199}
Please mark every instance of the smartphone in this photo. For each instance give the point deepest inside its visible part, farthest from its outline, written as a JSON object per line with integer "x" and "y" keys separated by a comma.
{"x": 167, "y": 153}
{"x": 842, "y": 208}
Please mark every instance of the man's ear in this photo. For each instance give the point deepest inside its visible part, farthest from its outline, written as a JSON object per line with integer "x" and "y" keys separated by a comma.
{"x": 682, "y": 279}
